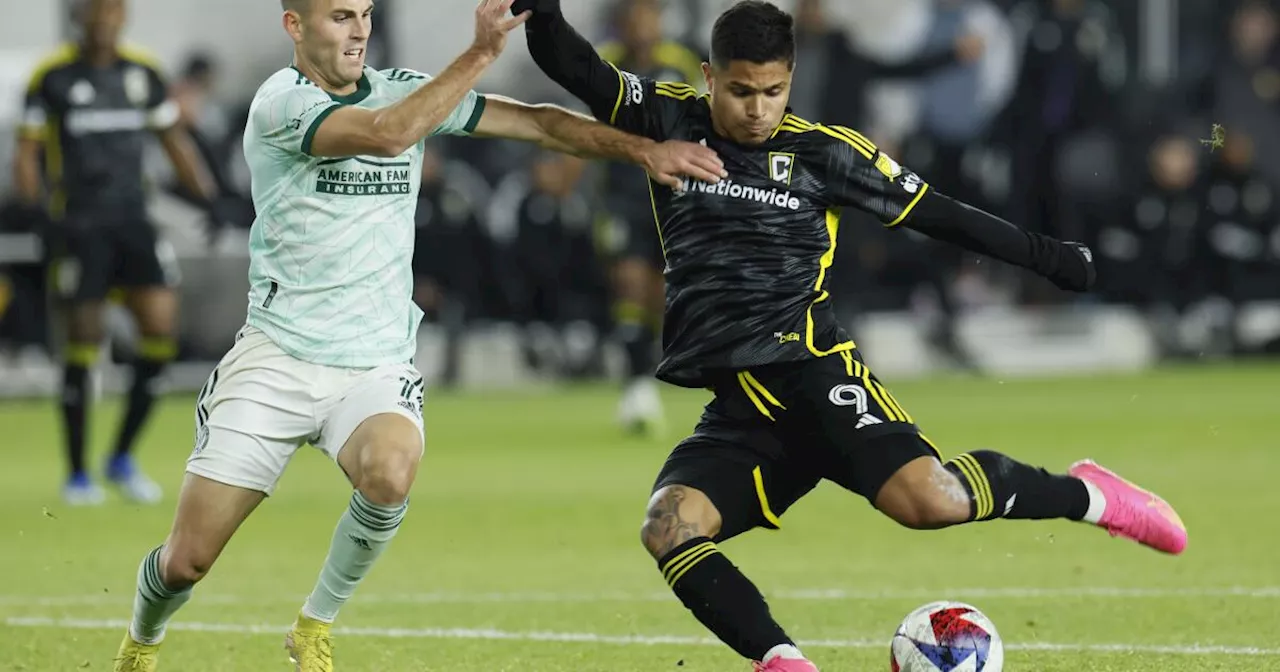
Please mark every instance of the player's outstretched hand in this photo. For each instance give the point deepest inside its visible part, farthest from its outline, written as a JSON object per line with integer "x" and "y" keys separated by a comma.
{"x": 1076, "y": 272}
{"x": 493, "y": 24}
{"x": 667, "y": 161}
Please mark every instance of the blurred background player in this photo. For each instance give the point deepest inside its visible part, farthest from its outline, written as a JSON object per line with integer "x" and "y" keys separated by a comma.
{"x": 632, "y": 235}
{"x": 837, "y": 75}
{"x": 449, "y": 252}
{"x": 556, "y": 290}
{"x": 90, "y": 110}
{"x": 1148, "y": 255}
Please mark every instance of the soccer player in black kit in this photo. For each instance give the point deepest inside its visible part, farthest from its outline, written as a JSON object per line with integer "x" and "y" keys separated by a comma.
{"x": 90, "y": 109}
{"x": 748, "y": 315}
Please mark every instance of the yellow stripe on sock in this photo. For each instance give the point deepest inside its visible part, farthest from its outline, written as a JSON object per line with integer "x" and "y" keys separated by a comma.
{"x": 82, "y": 354}
{"x": 966, "y": 470}
{"x": 983, "y": 481}
{"x": 678, "y": 561}
{"x": 158, "y": 349}
{"x": 694, "y": 560}
{"x": 751, "y": 394}
{"x": 982, "y": 485}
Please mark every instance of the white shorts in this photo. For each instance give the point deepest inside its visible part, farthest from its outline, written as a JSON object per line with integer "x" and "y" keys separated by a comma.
{"x": 261, "y": 404}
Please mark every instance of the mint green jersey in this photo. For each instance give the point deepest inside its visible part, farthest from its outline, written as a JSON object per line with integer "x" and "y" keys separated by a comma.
{"x": 330, "y": 250}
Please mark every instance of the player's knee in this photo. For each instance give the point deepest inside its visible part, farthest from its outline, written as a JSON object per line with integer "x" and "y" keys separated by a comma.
{"x": 676, "y": 514}
{"x": 387, "y": 471}
{"x": 923, "y": 495}
{"x": 156, "y": 312}
{"x": 182, "y": 566}
{"x": 84, "y": 325}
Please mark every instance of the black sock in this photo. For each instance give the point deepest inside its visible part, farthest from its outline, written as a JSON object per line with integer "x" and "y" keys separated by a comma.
{"x": 721, "y": 598}
{"x": 142, "y": 396}
{"x": 1001, "y": 487}
{"x": 637, "y": 338}
{"x": 75, "y": 403}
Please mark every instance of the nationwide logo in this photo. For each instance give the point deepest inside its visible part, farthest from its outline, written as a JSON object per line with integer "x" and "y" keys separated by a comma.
{"x": 781, "y": 199}
{"x": 366, "y": 178}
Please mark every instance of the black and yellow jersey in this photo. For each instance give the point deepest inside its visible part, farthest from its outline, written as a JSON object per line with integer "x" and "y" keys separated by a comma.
{"x": 95, "y": 123}
{"x": 748, "y": 258}
{"x": 624, "y": 184}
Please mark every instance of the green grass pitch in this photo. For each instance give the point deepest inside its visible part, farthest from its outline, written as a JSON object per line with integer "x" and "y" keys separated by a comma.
{"x": 521, "y": 549}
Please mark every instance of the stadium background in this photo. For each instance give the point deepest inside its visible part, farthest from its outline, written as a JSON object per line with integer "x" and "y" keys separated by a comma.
{"x": 521, "y": 551}
{"x": 1057, "y": 138}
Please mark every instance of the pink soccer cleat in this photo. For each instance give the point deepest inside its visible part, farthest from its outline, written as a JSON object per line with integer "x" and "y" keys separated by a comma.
{"x": 785, "y": 665}
{"x": 1134, "y": 513}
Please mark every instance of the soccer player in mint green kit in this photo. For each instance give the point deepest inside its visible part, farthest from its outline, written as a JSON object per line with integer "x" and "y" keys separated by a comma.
{"x": 325, "y": 358}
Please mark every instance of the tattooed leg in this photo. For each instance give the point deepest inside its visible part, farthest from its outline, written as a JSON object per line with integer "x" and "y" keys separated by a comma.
{"x": 678, "y": 531}
{"x": 676, "y": 515}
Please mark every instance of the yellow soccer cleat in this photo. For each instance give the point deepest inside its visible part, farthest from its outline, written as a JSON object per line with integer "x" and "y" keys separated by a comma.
{"x": 309, "y": 645}
{"x": 135, "y": 657}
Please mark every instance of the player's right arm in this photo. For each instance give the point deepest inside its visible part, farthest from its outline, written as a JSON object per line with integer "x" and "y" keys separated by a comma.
{"x": 342, "y": 130}
{"x": 620, "y": 98}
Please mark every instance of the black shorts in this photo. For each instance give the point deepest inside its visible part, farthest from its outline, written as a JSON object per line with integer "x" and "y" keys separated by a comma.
{"x": 773, "y": 432}
{"x": 96, "y": 254}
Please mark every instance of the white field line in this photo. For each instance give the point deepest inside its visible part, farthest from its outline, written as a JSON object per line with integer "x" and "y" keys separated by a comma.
{"x": 595, "y": 638}
{"x": 817, "y": 594}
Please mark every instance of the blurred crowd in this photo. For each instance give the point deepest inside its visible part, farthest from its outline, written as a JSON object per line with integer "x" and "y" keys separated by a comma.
{"x": 1042, "y": 111}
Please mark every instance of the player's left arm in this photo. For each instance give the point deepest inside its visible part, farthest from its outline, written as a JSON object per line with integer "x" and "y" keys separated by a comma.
{"x": 559, "y": 129}
{"x": 1068, "y": 265}
{"x": 859, "y": 174}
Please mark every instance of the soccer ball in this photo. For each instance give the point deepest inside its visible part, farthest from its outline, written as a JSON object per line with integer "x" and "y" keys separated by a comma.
{"x": 946, "y": 637}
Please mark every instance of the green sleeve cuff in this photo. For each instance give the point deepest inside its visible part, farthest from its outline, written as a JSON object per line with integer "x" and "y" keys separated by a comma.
{"x": 315, "y": 126}
{"x": 476, "y": 113}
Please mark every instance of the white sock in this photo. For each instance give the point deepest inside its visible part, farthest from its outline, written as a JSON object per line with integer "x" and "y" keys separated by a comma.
{"x": 1097, "y": 503}
{"x": 784, "y": 651}
{"x": 362, "y": 534}
{"x": 154, "y": 603}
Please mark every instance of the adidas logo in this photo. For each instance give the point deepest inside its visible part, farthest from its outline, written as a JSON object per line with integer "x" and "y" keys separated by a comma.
{"x": 866, "y": 420}
{"x": 1008, "y": 506}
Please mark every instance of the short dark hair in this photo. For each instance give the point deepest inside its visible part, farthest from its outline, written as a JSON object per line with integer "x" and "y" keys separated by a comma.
{"x": 756, "y": 31}
{"x": 298, "y": 6}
